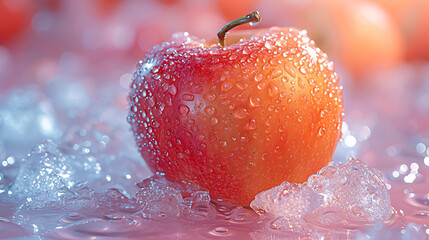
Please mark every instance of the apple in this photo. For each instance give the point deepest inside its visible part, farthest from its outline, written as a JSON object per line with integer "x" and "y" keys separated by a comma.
{"x": 237, "y": 119}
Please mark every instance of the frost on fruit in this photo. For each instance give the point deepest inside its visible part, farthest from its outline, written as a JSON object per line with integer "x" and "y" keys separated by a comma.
{"x": 338, "y": 196}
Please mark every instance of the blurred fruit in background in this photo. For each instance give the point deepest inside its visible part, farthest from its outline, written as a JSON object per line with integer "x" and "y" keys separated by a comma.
{"x": 231, "y": 10}
{"x": 358, "y": 34}
{"x": 15, "y": 15}
{"x": 412, "y": 17}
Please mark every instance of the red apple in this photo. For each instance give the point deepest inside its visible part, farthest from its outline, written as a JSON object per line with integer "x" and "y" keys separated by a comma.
{"x": 238, "y": 119}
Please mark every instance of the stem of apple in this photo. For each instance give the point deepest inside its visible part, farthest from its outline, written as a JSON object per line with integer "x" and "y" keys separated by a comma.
{"x": 249, "y": 18}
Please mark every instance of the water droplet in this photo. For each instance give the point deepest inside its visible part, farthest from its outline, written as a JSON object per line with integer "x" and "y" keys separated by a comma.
{"x": 156, "y": 76}
{"x": 254, "y": 101}
{"x": 322, "y": 131}
{"x": 269, "y": 45}
{"x": 240, "y": 113}
{"x": 301, "y": 83}
{"x": 258, "y": 77}
{"x": 210, "y": 96}
{"x": 290, "y": 71}
{"x": 227, "y": 85}
{"x": 172, "y": 89}
{"x": 184, "y": 110}
{"x": 187, "y": 97}
{"x": 261, "y": 85}
{"x": 276, "y": 73}
{"x": 232, "y": 57}
{"x": 273, "y": 90}
{"x": 269, "y": 120}
{"x": 251, "y": 125}
{"x": 214, "y": 121}
{"x": 323, "y": 112}
{"x": 150, "y": 101}
{"x": 209, "y": 110}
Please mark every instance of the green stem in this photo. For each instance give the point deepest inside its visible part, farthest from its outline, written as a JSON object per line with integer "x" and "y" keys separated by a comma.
{"x": 249, "y": 18}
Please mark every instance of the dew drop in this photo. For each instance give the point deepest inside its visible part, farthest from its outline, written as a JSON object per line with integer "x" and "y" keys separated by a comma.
{"x": 254, "y": 101}
{"x": 261, "y": 85}
{"x": 184, "y": 110}
{"x": 240, "y": 113}
{"x": 273, "y": 90}
{"x": 322, "y": 131}
{"x": 227, "y": 85}
{"x": 187, "y": 97}
{"x": 289, "y": 71}
{"x": 172, "y": 89}
{"x": 269, "y": 45}
{"x": 151, "y": 102}
{"x": 258, "y": 77}
{"x": 276, "y": 73}
{"x": 251, "y": 125}
{"x": 214, "y": 121}
{"x": 209, "y": 110}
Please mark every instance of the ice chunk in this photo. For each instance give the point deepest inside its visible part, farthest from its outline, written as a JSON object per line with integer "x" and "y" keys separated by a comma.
{"x": 44, "y": 172}
{"x": 158, "y": 197}
{"x": 339, "y": 196}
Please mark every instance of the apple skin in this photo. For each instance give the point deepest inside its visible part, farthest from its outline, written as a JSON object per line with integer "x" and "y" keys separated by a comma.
{"x": 240, "y": 119}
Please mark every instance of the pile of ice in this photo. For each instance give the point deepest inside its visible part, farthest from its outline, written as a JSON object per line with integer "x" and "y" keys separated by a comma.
{"x": 338, "y": 196}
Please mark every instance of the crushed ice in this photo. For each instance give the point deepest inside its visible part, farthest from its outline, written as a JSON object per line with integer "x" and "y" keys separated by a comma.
{"x": 338, "y": 196}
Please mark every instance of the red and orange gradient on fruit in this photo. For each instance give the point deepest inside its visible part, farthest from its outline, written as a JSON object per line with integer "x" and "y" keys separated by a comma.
{"x": 238, "y": 119}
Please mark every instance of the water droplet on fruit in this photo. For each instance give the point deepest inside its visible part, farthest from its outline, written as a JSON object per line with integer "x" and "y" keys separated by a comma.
{"x": 232, "y": 57}
{"x": 156, "y": 76}
{"x": 269, "y": 45}
{"x": 276, "y": 73}
{"x": 184, "y": 110}
{"x": 172, "y": 89}
{"x": 301, "y": 83}
{"x": 151, "y": 102}
{"x": 251, "y": 125}
{"x": 240, "y": 113}
{"x": 303, "y": 70}
{"x": 254, "y": 101}
{"x": 227, "y": 85}
{"x": 289, "y": 71}
{"x": 261, "y": 85}
{"x": 300, "y": 119}
{"x": 210, "y": 96}
{"x": 258, "y": 77}
{"x": 187, "y": 97}
{"x": 322, "y": 131}
{"x": 272, "y": 90}
{"x": 322, "y": 113}
{"x": 209, "y": 110}
{"x": 135, "y": 108}
{"x": 214, "y": 121}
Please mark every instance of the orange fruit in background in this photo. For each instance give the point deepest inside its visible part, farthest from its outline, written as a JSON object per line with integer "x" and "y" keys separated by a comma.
{"x": 359, "y": 33}
{"x": 412, "y": 17}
